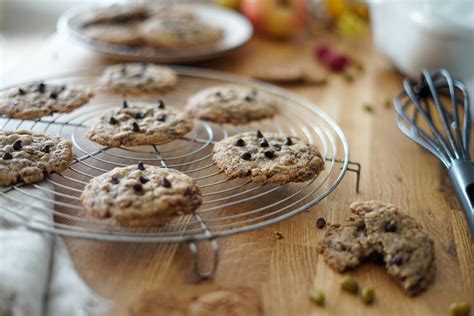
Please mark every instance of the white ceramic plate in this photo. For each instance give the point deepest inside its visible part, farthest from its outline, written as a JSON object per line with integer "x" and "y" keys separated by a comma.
{"x": 237, "y": 31}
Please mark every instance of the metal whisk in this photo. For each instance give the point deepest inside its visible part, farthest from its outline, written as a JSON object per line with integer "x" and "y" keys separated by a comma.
{"x": 435, "y": 113}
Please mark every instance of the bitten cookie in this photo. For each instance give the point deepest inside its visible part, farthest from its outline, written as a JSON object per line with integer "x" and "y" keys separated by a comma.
{"x": 232, "y": 104}
{"x": 28, "y": 157}
{"x": 141, "y": 195}
{"x": 381, "y": 230}
{"x": 137, "y": 78}
{"x": 120, "y": 34}
{"x": 175, "y": 33}
{"x": 138, "y": 124}
{"x": 268, "y": 158}
{"x": 32, "y": 101}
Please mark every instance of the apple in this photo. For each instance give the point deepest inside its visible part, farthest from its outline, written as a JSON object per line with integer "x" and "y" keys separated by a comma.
{"x": 276, "y": 18}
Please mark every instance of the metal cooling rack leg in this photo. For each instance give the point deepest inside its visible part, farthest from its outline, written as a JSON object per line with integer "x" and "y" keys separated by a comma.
{"x": 355, "y": 167}
{"x": 215, "y": 253}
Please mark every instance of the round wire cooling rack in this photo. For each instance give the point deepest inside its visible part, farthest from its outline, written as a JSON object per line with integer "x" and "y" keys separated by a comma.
{"x": 230, "y": 206}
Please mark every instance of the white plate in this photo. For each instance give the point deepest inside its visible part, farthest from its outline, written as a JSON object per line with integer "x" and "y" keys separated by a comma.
{"x": 237, "y": 31}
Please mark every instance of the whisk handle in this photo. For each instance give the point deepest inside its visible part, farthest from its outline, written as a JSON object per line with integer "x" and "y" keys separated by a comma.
{"x": 461, "y": 175}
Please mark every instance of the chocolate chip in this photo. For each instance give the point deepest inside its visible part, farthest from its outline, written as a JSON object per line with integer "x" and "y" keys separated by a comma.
{"x": 390, "y": 226}
{"x": 161, "y": 104}
{"x": 143, "y": 180}
{"x": 264, "y": 143}
{"x": 41, "y": 87}
{"x": 123, "y": 70}
{"x": 396, "y": 260}
{"x": 114, "y": 180}
{"x": 113, "y": 121}
{"x": 259, "y": 134}
{"x": 320, "y": 223}
{"x": 140, "y": 166}
{"x": 17, "y": 145}
{"x": 46, "y": 149}
{"x": 138, "y": 188}
{"x": 135, "y": 127}
{"x": 288, "y": 142}
{"x": 239, "y": 142}
{"x": 125, "y": 104}
{"x": 53, "y": 95}
{"x": 166, "y": 183}
{"x": 138, "y": 115}
{"x": 161, "y": 117}
{"x": 269, "y": 154}
{"x": 7, "y": 156}
{"x": 21, "y": 91}
{"x": 246, "y": 155}
{"x": 248, "y": 98}
{"x": 218, "y": 94}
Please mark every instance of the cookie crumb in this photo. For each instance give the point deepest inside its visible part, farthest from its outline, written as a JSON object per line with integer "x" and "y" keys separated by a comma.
{"x": 278, "y": 235}
{"x": 317, "y": 296}
{"x": 368, "y": 108}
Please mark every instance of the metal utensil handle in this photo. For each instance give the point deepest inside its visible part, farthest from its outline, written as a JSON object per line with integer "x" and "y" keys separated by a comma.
{"x": 461, "y": 175}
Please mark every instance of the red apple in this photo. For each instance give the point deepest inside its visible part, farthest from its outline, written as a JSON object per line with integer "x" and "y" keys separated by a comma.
{"x": 277, "y": 18}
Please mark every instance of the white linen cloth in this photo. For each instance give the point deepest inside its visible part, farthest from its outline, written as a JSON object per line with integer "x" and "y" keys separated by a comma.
{"x": 37, "y": 275}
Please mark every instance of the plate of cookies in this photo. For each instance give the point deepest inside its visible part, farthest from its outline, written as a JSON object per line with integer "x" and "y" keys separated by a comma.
{"x": 161, "y": 33}
{"x": 150, "y": 153}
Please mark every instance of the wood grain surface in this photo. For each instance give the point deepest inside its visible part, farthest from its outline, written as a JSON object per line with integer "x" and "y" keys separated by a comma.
{"x": 281, "y": 271}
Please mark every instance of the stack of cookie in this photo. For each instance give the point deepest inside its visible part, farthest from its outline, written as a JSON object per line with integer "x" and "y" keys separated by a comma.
{"x": 170, "y": 27}
{"x": 145, "y": 195}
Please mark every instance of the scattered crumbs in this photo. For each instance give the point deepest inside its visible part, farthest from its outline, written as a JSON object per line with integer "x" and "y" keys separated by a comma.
{"x": 317, "y": 296}
{"x": 368, "y": 108}
{"x": 388, "y": 103}
{"x": 348, "y": 77}
{"x": 360, "y": 67}
{"x": 278, "y": 235}
{"x": 320, "y": 223}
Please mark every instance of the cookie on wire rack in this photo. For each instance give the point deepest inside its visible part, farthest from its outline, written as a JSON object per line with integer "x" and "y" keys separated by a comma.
{"x": 233, "y": 104}
{"x": 31, "y": 101}
{"x": 268, "y": 158}
{"x": 29, "y": 157}
{"x": 141, "y": 195}
{"x": 139, "y": 123}
{"x": 137, "y": 78}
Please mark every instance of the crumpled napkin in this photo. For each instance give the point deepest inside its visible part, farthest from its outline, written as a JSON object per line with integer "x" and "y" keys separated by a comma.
{"x": 37, "y": 275}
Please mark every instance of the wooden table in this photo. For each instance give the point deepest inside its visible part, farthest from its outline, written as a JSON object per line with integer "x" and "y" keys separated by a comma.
{"x": 282, "y": 271}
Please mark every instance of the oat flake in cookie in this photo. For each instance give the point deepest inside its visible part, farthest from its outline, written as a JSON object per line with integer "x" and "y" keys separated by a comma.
{"x": 139, "y": 123}
{"x": 232, "y": 104}
{"x": 137, "y": 78}
{"x": 141, "y": 195}
{"x": 35, "y": 100}
{"x": 29, "y": 157}
{"x": 268, "y": 158}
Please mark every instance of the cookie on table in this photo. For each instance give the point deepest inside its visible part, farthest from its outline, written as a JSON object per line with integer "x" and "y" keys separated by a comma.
{"x": 381, "y": 230}
{"x": 268, "y": 158}
{"x": 28, "y": 157}
{"x": 120, "y": 34}
{"x": 179, "y": 33}
{"x": 116, "y": 14}
{"x": 35, "y": 100}
{"x": 139, "y": 123}
{"x": 141, "y": 195}
{"x": 232, "y": 104}
{"x": 407, "y": 251}
{"x": 137, "y": 78}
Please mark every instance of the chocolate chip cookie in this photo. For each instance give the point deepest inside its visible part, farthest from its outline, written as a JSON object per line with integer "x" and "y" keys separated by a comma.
{"x": 116, "y": 14}
{"x": 35, "y": 100}
{"x": 137, "y": 78}
{"x": 120, "y": 34}
{"x": 141, "y": 195}
{"x": 381, "y": 230}
{"x": 174, "y": 33}
{"x": 234, "y": 104}
{"x": 139, "y": 123}
{"x": 28, "y": 157}
{"x": 268, "y": 158}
